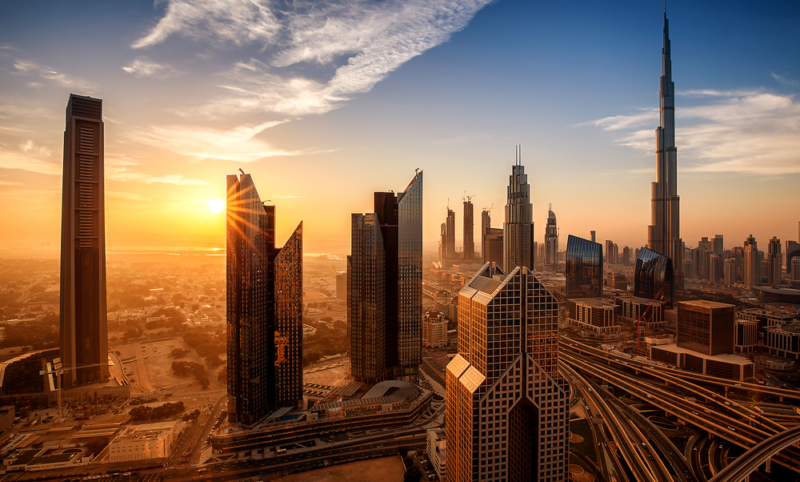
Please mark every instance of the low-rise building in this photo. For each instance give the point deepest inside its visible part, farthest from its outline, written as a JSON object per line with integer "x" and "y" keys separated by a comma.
{"x": 730, "y": 367}
{"x": 434, "y": 329}
{"x": 596, "y": 314}
{"x": 437, "y": 451}
{"x": 766, "y": 317}
{"x": 140, "y": 442}
{"x": 6, "y": 417}
{"x": 308, "y": 330}
{"x": 633, "y": 308}
{"x": 784, "y": 340}
{"x": 745, "y": 336}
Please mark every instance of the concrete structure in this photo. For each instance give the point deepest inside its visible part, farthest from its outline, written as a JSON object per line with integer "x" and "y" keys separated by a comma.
{"x": 84, "y": 318}
{"x": 634, "y": 308}
{"x": 507, "y": 407}
{"x": 486, "y": 223}
{"x": 774, "y": 263}
{"x": 596, "y": 314}
{"x": 264, "y": 307}
{"x": 450, "y": 235}
{"x": 766, "y": 317}
{"x": 784, "y": 340}
{"x": 469, "y": 230}
{"x": 729, "y": 272}
{"x": 437, "y": 451}
{"x": 731, "y": 367}
{"x": 551, "y": 239}
{"x": 395, "y": 235}
{"x": 141, "y": 442}
{"x": 434, "y": 330}
{"x": 518, "y": 227}
{"x": 6, "y": 417}
{"x": 493, "y": 246}
{"x": 663, "y": 235}
{"x": 745, "y": 336}
{"x": 341, "y": 286}
{"x": 706, "y": 327}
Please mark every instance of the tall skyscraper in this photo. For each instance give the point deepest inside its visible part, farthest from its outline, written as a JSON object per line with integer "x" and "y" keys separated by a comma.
{"x": 752, "y": 265}
{"x": 486, "y": 223}
{"x": 584, "y": 268}
{"x": 264, "y": 305}
{"x": 518, "y": 227}
{"x": 450, "y": 247}
{"x": 507, "y": 409}
{"x": 654, "y": 278}
{"x": 493, "y": 241}
{"x": 551, "y": 239}
{"x": 663, "y": 235}
{"x": 84, "y": 328}
{"x": 730, "y": 272}
{"x": 718, "y": 246}
{"x": 399, "y": 219}
{"x": 774, "y": 262}
{"x": 366, "y": 306}
{"x": 610, "y": 252}
{"x": 469, "y": 230}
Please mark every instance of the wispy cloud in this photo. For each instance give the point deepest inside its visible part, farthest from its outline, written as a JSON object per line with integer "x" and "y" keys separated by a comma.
{"x": 238, "y": 144}
{"x": 29, "y": 67}
{"x": 287, "y": 197}
{"x": 364, "y": 40}
{"x": 9, "y": 183}
{"x": 121, "y": 168}
{"x": 177, "y": 179}
{"x": 29, "y": 157}
{"x": 226, "y": 21}
{"x": 782, "y": 79}
{"x": 744, "y": 131}
{"x": 141, "y": 67}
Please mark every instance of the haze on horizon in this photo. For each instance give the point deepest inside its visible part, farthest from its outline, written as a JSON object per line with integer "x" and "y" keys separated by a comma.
{"x": 325, "y": 104}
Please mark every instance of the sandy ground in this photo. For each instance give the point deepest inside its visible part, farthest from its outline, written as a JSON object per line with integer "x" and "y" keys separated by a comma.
{"x": 387, "y": 469}
{"x": 334, "y": 376}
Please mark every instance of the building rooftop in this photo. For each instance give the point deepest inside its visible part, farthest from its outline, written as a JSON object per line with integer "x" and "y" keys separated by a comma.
{"x": 788, "y": 328}
{"x": 595, "y": 302}
{"x": 734, "y": 359}
{"x": 705, "y": 304}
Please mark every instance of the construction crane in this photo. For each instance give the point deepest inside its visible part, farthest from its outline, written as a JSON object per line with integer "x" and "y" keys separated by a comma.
{"x": 647, "y": 325}
{"x": 467, "y": 198}
{"x": 58, "y": 370}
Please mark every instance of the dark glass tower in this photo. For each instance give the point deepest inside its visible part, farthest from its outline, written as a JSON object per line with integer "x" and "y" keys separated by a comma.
{"x": 469, "y": 241}
{"x": 84, "y": 329}
{"x": 518, "y": 226}
{"x": 654, "y": 277}
{"x": 664, "y": 234}
{"x": 584, "y": 268}
{"x": 399, "y": 217}
{"x": 265, "y": 307}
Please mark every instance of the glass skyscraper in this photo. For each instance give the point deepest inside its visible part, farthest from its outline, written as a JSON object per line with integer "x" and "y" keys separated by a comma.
{"x": 264, "y": 307}
{"x": 654, "y": 277}
{"x": 584, "y": 268}
{"x": 518, "y": 226}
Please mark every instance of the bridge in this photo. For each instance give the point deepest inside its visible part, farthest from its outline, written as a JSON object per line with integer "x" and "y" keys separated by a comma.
{"x": 744, "y": 465}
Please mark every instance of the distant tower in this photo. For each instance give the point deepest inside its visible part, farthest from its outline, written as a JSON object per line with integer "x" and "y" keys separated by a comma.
{"x": 504, "y": 388}
{"x": 774, "y": 262}
{"x": 469, "y": 230}
{"x": 663, "y": 235}
{"x": 264, "y": 308}
{"x": 450, "y": 247}
{"x": 84, "y": 328}
{"x": 518, "y": 226}
{"x": 551, "y": 239}
{"x": 486, "y": 224}
{"x": 752, "y": 265}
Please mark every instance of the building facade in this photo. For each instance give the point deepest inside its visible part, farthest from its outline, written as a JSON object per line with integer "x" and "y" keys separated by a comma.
{"x": 493, "y": 246}
{"x": 83, "y": 313}
{"x": 706, "y": 327}
{"x": 486, "y": 223}
{"x": 450, "y": 235}
{"x": 654, "y": 278}
{"x": 434, "y": 330}
{"x": 595, "y": 314}
{"x": 437, "y": 452}
{"x": 469, "y": 230}
{"x": 752, "y": 265}
{"x": 584, "y": 268}
{"x": 746, "y": 336}
{"x": 264, "y": 307}
{"x": 774, "y": 262}
{"x": 518, "y": 227}
{"x": 663, "y": 235}
{"x": 141, "y": 442}
{"x": 551, "y": 240}
{"x": 507, "y": 409}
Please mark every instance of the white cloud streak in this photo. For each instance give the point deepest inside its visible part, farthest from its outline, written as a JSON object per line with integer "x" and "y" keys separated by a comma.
{"x": 238, "y": 144}
{"x": 782, "y": 79}
{"x": 29, "y": 67}
{"x": 119, "y": 168}
{"x": 743, "y": 131}
{"x": 141, "y": 67}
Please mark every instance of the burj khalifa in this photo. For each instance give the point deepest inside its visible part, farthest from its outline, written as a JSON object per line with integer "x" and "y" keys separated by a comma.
{"x": 663, "y": 235}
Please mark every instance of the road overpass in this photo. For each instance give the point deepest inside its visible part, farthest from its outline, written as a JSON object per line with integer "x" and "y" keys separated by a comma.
{"x": 744, "y": 465}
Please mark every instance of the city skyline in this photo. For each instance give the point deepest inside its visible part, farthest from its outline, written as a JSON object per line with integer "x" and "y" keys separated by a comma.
{"x": 158, "y": 187}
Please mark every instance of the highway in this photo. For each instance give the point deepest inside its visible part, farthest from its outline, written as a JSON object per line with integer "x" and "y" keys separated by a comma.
{"x": 753, "y": 458}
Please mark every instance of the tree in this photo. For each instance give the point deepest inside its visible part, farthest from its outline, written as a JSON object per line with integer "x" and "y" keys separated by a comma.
{"x": 178, "y": 353}
{"x": 413, "y": 474}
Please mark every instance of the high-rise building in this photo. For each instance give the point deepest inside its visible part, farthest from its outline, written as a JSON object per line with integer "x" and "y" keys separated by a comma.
{"x": 792, "y": 250}
{"x": 486, "y": 223}
{"x": 654, "y": 277}
{"x": 341, "y": 286}
{"x": 663, "y": 235}
{"x": 493, "y": 242}
{"x": 84, "y": 328}
{"x": 551, "y": 239}
{"x": 469, "y": 230}
{"x": 584, "y": 268}
{"x": 738, "y": 256}
{"x": 610, "y": 252}
{"x": 518, "y": 226}
{"x": 718, "y": 246}
{"x": 796, "y": 269}
{"x": 594, "y": 236}
{"x": 366, "y": 300}
{"x": 715, "y": 268}
{"x": 264, "y": 307}
{"x": 450, "y": 237}
{"x": 774, "y": 262}
{"x": 730, "y": 272}
{"x": 752, "y": 265}
{"x": 507, "y": 410}
{"x": 626, "y": 256}
{"x": 399, "y": 219}
{"x": 706, "y": 327}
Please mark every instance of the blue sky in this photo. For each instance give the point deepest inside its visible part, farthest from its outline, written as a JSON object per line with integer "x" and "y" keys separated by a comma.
{"x": 325, "y": 103}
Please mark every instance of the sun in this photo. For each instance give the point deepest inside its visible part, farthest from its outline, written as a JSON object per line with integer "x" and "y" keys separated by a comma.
{"x": 216, "y": 205}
